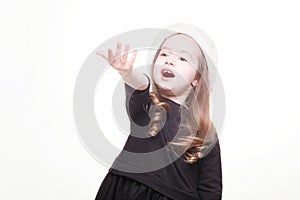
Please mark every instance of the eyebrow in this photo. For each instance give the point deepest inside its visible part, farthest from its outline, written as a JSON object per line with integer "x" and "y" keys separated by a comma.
{"x": 183, "y": 51}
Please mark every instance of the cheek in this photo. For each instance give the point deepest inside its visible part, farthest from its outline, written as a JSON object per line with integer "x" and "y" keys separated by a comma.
{"x": 158, "y": 64}
{"x": 156, "y": 69}
{"x": 187, "y": 72}
{"x": 159, "y": 60}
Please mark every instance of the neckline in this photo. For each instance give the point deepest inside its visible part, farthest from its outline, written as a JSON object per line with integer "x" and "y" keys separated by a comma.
{"x": 172, "y": 101}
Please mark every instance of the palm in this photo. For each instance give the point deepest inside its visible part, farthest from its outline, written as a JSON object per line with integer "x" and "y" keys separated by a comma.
{"x": 120, "y": 61}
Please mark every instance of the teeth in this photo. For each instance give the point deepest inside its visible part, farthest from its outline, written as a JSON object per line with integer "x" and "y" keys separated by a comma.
{"x": 167, "y": 73}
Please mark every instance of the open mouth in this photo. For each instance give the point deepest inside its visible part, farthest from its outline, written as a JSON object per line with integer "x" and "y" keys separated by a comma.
{"x": 167, "y": 73}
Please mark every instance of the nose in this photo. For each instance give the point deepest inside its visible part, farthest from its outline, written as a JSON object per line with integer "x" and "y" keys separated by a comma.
{"x": 169, "y": 61}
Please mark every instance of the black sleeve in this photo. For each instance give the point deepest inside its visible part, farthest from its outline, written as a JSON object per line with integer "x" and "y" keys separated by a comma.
{"x": 136, "y": 101}
{"x": 210, "y": 175}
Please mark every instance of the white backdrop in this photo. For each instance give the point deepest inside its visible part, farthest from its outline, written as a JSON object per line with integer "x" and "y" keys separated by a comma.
{"x": 44, "y": 43}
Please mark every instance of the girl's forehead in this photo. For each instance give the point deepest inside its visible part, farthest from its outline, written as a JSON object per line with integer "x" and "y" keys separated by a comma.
{"x": 182, "y": 43}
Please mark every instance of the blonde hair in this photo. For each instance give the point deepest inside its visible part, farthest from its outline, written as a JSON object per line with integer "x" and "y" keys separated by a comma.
{"x": 197, "y": 118}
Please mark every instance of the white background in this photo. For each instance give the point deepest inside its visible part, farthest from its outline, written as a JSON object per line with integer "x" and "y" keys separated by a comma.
{"x": 44, "y": 43}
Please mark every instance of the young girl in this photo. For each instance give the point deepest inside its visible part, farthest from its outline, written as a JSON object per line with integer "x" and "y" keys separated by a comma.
{"x": 176, "y": 114}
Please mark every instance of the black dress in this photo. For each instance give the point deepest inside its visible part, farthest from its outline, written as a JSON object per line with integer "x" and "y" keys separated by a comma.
{"x": 115, "y": 187}
{"x": 143, "y": 179}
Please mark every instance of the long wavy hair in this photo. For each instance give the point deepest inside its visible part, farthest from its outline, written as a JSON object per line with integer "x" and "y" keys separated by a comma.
{"x": 197, "y": 119}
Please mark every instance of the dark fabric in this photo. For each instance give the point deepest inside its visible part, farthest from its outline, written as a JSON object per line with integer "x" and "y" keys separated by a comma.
{"x": 115, "y": 187}
{"x": 178, "y": 180}
{"x": 210, "y": 176}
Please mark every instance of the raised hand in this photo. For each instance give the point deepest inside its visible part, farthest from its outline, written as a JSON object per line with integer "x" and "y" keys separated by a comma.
{"x": 119, "y": 61}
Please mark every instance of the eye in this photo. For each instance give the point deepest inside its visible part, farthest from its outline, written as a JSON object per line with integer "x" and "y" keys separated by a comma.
{"x": 183, "y": 59}
{"x": 163, "y": 54}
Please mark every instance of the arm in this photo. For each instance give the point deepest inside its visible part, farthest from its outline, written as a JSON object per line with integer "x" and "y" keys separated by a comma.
{"x": 210, "y": 175}
{"x": 135, "y": 79}
{"x": 136, "y": 83}
{"x": 136, "y": 100}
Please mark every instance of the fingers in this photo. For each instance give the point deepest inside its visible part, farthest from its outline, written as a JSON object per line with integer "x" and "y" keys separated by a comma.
{"x": 132, "y": 59}
{"x": 100, "y": 53}
{"x": 110, "y": 56}
{"x": 117, "y": 60}
{"x": 118, "y": 50}
{"x": 125, "y": 54}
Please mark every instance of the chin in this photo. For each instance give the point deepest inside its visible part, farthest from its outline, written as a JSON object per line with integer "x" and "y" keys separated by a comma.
{"x": 163, "y": 85}
{"x": 165, "y": 89}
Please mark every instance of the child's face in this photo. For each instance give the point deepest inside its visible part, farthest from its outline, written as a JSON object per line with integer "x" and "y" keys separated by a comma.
{"x": 176, "y": 65}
